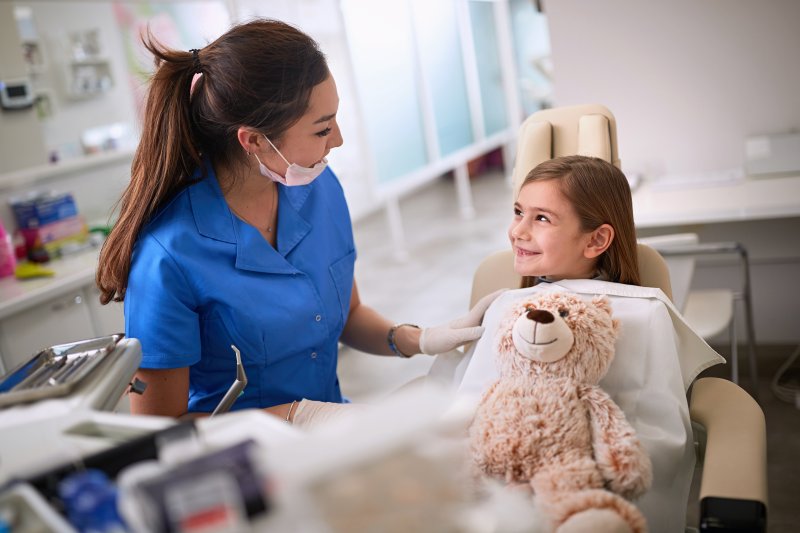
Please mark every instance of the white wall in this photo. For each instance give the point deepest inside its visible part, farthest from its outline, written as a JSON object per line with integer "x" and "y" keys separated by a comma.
{"x": 95, "y": 190}
{"x": 54, "y": 21}
{"x": 20, "y": 142}
{"x": 686, "y": 80}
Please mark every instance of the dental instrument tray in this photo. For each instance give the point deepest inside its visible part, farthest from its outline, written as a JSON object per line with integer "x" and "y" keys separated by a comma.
{"x": 55, "y": 371}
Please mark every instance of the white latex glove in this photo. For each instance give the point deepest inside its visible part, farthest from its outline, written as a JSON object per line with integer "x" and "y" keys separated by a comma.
{"x": 310, "y": 414}
{"x": 440, "y": 339}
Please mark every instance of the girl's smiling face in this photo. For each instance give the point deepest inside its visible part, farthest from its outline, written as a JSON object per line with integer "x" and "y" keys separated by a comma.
{"x": 547, "y": 237}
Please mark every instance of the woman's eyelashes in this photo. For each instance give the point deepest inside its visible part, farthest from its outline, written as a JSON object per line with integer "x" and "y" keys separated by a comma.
{"x": 324, "y": 133}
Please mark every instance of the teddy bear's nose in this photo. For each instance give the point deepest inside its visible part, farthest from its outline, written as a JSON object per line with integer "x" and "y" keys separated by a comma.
{"x": 540, "y": 316}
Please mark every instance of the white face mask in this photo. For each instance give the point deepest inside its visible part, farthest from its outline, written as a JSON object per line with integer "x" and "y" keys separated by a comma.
{"x": 295, "y": 174}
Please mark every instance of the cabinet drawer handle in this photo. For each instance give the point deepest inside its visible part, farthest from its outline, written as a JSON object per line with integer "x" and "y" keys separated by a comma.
{"x": 60, "y": 306}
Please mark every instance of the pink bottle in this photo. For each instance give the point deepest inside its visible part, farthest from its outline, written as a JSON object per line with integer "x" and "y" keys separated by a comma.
{"x": 7, "y": 260}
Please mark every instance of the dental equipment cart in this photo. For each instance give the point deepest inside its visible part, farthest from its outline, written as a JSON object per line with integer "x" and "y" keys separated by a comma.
{"x": 52, "y": 412}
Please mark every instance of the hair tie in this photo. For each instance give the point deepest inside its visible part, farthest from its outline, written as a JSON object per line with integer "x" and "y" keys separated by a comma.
{"x": 198, "y": 68}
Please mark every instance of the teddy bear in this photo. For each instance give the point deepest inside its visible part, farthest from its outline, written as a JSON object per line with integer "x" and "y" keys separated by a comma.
{"x": 546, "y": 424}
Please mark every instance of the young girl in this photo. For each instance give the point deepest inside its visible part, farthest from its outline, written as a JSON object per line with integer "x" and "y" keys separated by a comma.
{"x": 573, "y": 219}
{"x": 573, "y": 231}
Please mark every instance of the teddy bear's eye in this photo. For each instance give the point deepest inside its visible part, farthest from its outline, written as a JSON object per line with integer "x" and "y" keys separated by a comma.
{"x": 563, "y": 313}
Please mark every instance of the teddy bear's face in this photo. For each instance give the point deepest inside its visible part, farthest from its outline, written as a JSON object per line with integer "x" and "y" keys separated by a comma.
{"x": 540, "y": 335}
{"x": 558, "y": 334}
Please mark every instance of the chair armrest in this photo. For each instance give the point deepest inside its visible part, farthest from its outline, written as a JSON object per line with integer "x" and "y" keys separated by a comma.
{"x": 733, "y": 490}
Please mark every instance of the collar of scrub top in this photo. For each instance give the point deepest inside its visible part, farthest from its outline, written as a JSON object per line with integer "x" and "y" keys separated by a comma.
{"x": 216, "y": 221}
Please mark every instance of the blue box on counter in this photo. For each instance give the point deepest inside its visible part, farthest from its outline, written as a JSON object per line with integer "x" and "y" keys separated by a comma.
{"x": 43, "y": 208}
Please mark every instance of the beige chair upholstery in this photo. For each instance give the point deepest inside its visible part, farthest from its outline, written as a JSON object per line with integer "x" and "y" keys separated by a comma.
{"x": 497, "y": 272}
{"x": 733, "y": 494}
{"x": 583, "y": 130}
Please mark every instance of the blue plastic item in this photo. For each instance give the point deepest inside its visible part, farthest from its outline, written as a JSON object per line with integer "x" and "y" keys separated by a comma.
{"x": 43, "y": 209}
{"x": 90, "y": 500}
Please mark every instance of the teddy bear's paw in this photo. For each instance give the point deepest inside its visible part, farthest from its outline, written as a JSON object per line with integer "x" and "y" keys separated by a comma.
{"x": 634, "y": 484}
{"x": 632, "y": 489}
{"x": 595, "y": 521}
{"x": 581, "y": 508}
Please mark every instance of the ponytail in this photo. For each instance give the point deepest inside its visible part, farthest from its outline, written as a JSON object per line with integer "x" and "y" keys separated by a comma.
{"x": 162, "y": 165}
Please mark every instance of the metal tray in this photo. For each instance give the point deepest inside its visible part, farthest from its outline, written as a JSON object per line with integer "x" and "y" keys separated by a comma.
{"x": 55, "y": 371}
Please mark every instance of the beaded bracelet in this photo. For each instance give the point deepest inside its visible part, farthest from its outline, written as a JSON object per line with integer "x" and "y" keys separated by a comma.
{"x": 391, "y": 342}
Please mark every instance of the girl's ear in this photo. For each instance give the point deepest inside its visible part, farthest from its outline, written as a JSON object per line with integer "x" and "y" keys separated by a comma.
{"x": 599, "y": 241}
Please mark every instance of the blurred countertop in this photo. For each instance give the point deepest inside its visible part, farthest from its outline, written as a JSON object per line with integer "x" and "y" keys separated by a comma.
{"x": 71, "y": 273}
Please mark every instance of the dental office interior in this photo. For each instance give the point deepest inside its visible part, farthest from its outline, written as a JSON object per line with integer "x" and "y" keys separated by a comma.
{"x": 705, "y": 120}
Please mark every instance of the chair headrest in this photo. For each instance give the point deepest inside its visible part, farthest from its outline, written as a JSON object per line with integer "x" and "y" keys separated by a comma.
{"x": 588, "y": 129}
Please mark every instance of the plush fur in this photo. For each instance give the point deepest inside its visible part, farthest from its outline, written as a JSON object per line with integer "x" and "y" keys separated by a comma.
{"x": 546, "y": 421}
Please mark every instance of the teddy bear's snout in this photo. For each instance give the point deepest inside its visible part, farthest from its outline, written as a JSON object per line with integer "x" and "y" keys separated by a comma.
{"x": 539, "y": 335}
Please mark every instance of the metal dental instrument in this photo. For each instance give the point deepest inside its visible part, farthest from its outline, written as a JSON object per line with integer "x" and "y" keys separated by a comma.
{"x": 50, "y": 368}
{"x": 236, "y": 388}
{"x": 68, "y": 370}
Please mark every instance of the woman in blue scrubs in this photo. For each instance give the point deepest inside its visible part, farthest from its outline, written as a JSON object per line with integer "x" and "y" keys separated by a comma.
{"x": 233, "y": 231}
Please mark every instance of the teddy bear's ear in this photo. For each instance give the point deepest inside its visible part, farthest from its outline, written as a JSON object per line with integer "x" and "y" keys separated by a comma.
{"x": 601, "y": 302}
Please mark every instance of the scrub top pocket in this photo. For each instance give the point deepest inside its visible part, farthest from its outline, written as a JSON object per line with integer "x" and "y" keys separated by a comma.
{"x": 342, "y": 271}
{"x": 218, "y": 336}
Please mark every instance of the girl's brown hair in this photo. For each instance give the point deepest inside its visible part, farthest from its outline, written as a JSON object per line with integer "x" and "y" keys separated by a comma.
{"x": 600, "y": 194}
{"x": 259, "y": 74}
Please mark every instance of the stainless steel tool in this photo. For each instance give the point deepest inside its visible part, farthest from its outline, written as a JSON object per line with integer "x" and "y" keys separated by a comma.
{"x": 236, "y": 388}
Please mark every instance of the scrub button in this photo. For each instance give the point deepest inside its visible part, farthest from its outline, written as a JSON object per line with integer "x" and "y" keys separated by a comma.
{"x": 313, "y": 355}
{"x": 318, "y": 318}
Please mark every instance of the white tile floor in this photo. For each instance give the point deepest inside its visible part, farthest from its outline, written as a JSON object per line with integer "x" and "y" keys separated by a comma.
{"x": 433, "y": 285}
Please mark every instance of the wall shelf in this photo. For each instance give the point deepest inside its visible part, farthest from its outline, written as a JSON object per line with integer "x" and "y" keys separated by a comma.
{"x": 87, "y": 78}
{"x": 88, "y": 70}
{"x": 42, "y": 173}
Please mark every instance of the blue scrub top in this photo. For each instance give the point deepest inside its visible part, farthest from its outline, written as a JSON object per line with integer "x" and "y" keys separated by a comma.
{"x": 202, "y": 279}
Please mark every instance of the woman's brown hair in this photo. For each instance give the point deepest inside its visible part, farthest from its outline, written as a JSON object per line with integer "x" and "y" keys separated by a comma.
{"x": 259, "y": 74}
{"x": 600, "y": 194}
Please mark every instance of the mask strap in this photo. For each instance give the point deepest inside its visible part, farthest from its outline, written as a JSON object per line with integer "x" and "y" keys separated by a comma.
{"x": 279, "y": 152}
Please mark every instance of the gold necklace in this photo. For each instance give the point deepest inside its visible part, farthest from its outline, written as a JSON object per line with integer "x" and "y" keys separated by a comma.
{"x": 272, "y": 212}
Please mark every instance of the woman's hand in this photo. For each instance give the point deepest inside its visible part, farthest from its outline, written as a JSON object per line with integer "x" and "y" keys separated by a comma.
{"x": 309, "y": 414}
{"x": 440, "y": 339}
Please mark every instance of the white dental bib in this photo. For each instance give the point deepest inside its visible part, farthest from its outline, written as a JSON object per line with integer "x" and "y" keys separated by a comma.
{"x": 657, "y": 358}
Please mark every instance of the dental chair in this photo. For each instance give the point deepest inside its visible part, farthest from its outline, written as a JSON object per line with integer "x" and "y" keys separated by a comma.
{"x": 711, "y": 312}
{"x": 730, "y": 431}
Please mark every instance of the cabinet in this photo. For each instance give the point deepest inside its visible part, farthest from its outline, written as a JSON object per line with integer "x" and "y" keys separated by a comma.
{"x": 60, "y": 320}
{"x": 71, "y": 316}
{"x": 106, "y": 319}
